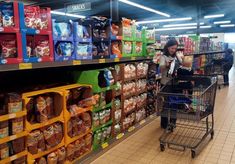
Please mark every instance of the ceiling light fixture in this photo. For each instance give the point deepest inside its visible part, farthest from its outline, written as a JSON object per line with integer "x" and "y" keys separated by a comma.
{"x": 67, "y": 14}
{"x": 222, "y": 22}
{"x": 202, "y": 23}
{"x": 205, "y": 26}
{"x": 179, "y": 25}
{"x": 214, "y": 16}
{"x": 164, "y": 20}
{"x": 228, "y": 25}
{"x": 144, "y": 7}
{"x": 176, "y": 28}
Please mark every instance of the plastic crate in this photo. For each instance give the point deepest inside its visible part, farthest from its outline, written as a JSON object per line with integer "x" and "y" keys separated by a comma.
{"x": 11, "y": 38}
{"x": 59, "y": 57}
{"x": 46, "y": 15}
{"x": 27, "y": 38}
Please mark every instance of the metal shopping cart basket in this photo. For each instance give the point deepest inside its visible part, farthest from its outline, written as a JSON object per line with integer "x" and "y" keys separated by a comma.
{"x": 191, "y": 101}
{"x": 216, "y": 68}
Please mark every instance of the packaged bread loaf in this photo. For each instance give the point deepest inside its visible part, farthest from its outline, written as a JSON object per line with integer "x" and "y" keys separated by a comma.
{"x": 52, "y": 158}
{"x": 70, "y": 152}
{"x": 41, "y": 142}
{"x": 17, "y": 125}
{"x": 14, "y": 102}
{"x": 49, "y": 106}
{"x": 32, "y": 142}
{"x": 86, "y": 117}
{"x": 21, "y": 160}
{"x": 4, "y": 151}
{"x": 88, "y": 141}
{"x": 41, "y": 160}
{"x": 41, "y": 109}
{"x": 61, "y": 152}
{"x": 58, "y": 130}
{"x": 83, "y": 146}
{"x": 4, "y": 130}
{"x": 70, "y": 128}
{"x": 18, "y": 145}
{"x": 31, "y": 110}
{"x": 49, "y": 136}
{"x": 77, "y": 151}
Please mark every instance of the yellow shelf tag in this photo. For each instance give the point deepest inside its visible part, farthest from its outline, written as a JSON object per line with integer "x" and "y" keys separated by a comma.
{"x": 101, "y": 60}
{"x": 77, "y": 62}
{"x": 119, "y": 136}
{"x": 142, "y": 122}
{"x": 116, "y": 60}
{"x": 131, "y": 129}
{"x": 133, "y": 58}
{"x": 104, "y": 145}
{"x": 25, "y": 66}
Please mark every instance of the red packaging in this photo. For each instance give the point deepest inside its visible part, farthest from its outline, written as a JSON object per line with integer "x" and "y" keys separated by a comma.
{"x": 9, "y": 49}
{"x": 30, "y": 16}
{"x": 44, "y": 19}
{"x": 42, "y": 49}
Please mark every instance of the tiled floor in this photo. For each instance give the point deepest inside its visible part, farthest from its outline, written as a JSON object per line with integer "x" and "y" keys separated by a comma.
{"x": 143, "y": 146}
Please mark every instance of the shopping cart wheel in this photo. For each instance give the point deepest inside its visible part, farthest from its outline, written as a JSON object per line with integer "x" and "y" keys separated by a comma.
{"x": 162, "y": 147}
{"x": 193, "y": 153}
{"x": 212, "y": 134}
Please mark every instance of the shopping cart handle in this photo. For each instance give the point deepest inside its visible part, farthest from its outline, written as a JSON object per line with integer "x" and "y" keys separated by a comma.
{"x": 176, "y": 147}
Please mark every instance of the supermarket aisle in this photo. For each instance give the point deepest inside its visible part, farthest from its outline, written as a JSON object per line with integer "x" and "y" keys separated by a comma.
{"x": 143, "y": 146}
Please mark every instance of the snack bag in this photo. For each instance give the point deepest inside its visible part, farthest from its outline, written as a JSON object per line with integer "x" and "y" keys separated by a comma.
{"x": 42, "y": 49}
{"x": 116, "y": 50}
{"x": 62, "y": 29}
{"x": 9, "y": 49}
{"x": 127, "y": 47}
{"x": 83, "y": 49}
{"x": 114, "y": 29}
{"x": 7, "y": 15}
{"x": 126, "y": 23}
{"x": 30, "y": 16}
{"x": 64, "y": 48}
{"x": 108, "y": 77}
{"x": 138, "y": 48}
{"x": 44, "y": 19}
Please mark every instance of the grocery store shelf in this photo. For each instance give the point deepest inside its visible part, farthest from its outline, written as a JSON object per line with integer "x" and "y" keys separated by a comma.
{"x": 12, "y": 115}
{"x": 204, "y": 53}
{"x": 14, "y": 157}
{"x": 13, "y": 137}
{"x": 102, "y": 107}
{"x": 26, "y": 66}
{"x": 75, "y": 161}
{"x": 102, "y": 126}
{"x": 77, "y": 137}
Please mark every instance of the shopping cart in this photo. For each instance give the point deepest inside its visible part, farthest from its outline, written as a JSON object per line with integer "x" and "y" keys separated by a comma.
{"x": 191, "y": 101}
{"x": 216, "y": 68}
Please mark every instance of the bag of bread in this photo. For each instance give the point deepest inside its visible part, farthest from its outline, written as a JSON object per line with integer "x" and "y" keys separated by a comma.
{"x": 83, "y": 146}
{"x": 88, "y": 142}
{"x": 49, "y": 136}
{"x": 41, "y": 142}
{"x": 52, "y": 158}
{"x": 86, "y": 117}
{"x": 41, "y": 109}
{"x": 17, "y": 125}
{"x": 18, "y": 145}
{"x": 77, "y": 151}
{"x": 30, "y": 107}
{"x": 41, "y": 160}
{"x": 4, "y": 130}
{"x": 32, "y": 142}
{"x": 58, "y": 130}
{"x": 70, "y": 152}
{"x": 49, "y": 106}
{"x": 61, "y": 152}
{"x": 76, "y": 129}
{"x": 4, "y": 151}
{"x": 21, "y": 160}
{"x": 14, "y": 102}
{"x": 70, "y": 128}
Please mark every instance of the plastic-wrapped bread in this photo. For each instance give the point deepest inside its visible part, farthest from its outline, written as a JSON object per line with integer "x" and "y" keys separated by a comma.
{"x": 41, "y": 105}
{"x": 41, "y": 142}
{"x": 52, "y": 158}
{"x": 70, "y": 152}
{"x": 88, "y": 141}
{"x": 70, "y": 128}
{"x": 49, "y": 106}
{"x": 49, "y": 136}
{"x": 77, "y": 151}
{"x": 21, "y": 160}
{"x": 61, "y": 152}
{"x": 41, "y": 160}
{"x": 32, "y": 142}
{"x": 18, "y": 145}
{"x": 58, "y": 130}
{"x": 86, "y": 117}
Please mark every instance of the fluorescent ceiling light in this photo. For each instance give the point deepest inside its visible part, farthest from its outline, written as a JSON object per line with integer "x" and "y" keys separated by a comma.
{"x": 205, "y": 26}
{"x": 176, "y": 28}
{"x": 144, "y": 7}
{"x": 228, "y": 25}
{"x": 214, "y": 16}
{"x": 164, "y": 20}
{"x": 179, "y": 25}
{"x": 67, "y": 14}
{"x": 222, "y": 22}
{"x": 202, "y": 23}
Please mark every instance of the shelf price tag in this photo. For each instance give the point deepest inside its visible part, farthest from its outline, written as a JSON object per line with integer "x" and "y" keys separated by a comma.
{"x": 25, "y": 66}
{"x": 104, "y": 145}
{"x": 116, "y": 60}
{"x": 142, "y": 122}
{"x": 77, "y": 62}
{"x": 119, "y": 136}
{"x": 131, "y": 129}
{"x": 101, "y": 61}
{"x": 133, "y": 58}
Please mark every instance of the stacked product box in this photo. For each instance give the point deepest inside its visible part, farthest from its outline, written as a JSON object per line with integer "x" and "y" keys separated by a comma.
{"x": 36, "y": 30}
{"x": 10, "y": 36}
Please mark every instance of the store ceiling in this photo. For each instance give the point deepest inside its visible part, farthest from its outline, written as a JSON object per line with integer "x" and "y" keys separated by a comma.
{"x": 176, "y": 8}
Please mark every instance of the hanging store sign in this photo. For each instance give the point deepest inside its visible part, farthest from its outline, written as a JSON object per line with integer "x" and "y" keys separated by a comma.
{"x": 73, "y": 8}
